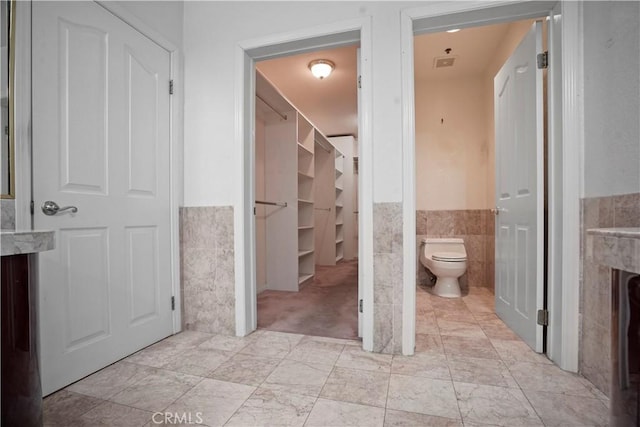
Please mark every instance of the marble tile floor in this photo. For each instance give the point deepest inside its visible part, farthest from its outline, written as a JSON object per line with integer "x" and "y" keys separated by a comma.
{"x": 469, "y": 370}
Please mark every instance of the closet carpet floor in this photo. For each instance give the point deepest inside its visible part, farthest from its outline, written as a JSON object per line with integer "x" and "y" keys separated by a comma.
{"x": 327, "y": 306}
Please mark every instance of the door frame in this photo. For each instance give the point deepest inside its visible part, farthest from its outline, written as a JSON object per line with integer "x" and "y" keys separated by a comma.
{"x": 24, "y": 155}
{"x": 268, "y": 47}
{"x": 565, "y": 137}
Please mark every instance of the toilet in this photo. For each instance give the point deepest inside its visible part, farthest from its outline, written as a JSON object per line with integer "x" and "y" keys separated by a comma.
{"x": 447, "y": 260}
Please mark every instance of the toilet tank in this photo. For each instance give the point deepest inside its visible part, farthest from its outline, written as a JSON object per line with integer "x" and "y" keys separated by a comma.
{"x": 433, "y": 245}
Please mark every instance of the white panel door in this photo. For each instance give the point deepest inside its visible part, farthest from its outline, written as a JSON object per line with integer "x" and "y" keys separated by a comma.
{"x": 519, "y": 190}
{"x": 101, "y": 144}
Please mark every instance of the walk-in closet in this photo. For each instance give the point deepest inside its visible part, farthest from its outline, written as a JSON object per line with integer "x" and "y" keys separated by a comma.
{"x": 306, "y": 219}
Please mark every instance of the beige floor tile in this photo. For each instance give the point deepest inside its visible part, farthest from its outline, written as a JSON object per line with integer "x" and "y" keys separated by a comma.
{"x": 460, "y": 329}
{"x": 549, "y": 378}
{"x": 198, "y": 361}
{"x": 110, "y": 414}
{"x": 426, "y": 323}
{"x": 485, "y": 317}
{"x": 316, "y": 351}
{"x": 429, "y": 343}
{"x": 428, "y": 365}
{"x": 158, "y": 354}
{"x": 395, "y": 418}
{"x": 332, "y": 413}
{"x": 111, "y": 380}
{"x": 517, "y": 351}
{"x": 298, "y": 378}
{"x": 503, "y": 406}
{"x": 357, "y": 358}
{"x": 156, "y": 391}
{"x": 496, "y": 329}
{"x": 269, "y": 408}
{"x": 188, "y": 338}
{"x": 481, "y": 371}
{"x": 558, "y": 410}
{"x": 468, "y": 347}
{"x": 64, "y": 407}
{"x": 271, "y": 344}
{"x": 225, "y": 343}
{"x": 430, "y": 397}
{"x": 212, "y": 400}
{"x": 458, "y": 315}
{"x": 357, "y": 386}
{"x": 245, "y": 369}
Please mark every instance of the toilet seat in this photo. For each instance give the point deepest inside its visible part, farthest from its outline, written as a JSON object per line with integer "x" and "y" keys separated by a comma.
{"x": 448, "y": 257}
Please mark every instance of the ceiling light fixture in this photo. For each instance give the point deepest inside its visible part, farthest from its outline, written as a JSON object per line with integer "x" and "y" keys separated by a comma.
{"x": 454, "y": 30}
{"x": 321, "y": 68}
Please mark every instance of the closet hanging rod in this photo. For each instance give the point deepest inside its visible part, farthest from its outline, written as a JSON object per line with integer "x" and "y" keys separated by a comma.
{"x": 262, "y": 202}
{"x": 323, "y": 209}
{"x": 284, "y": 116}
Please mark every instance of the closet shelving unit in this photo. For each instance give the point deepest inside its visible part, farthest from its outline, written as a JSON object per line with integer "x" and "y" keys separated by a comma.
{"x": 306, "y": 226}
{"x": 303, "y": 169}
{"x": 339, "y": 201}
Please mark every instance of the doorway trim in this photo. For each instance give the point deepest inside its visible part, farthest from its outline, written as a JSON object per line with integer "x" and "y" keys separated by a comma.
{"x": 563, "y": 280}
{"x": 273, "y": 46}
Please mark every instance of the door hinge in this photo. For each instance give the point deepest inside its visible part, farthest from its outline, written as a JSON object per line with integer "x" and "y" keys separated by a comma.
{"x": 359, "y": 82}
{"x": 543, "y": 60}
{"x": 170, "y": 87}
{"x": 360, "y": 304}
{"x": 173, "y": 303}
{"x": 254, "y": 210}
{"x": 32, "y": 207}
{"x": 543, "y": 317}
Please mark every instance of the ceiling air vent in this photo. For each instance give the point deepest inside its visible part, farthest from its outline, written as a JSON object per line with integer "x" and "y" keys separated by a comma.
{"x": 444, "y": 61}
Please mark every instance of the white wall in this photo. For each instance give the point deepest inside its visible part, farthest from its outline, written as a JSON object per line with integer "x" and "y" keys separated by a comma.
{"x": 612, "y": 98}
{"x": 451, "y": 144}
{"x": 212, "y": 31}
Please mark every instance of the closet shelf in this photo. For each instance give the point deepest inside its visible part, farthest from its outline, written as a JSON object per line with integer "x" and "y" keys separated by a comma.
{"x": 305, "y": 227}
{"x": 305, "y": 149}
{"x": 339, "y": 188}
{"x": 338, "y": 206}
{"x": 339, "y": 223}
{"x": 303, "y": 278}
{"x": 305, "y": 201}
{"x": 304, "y": 252}
{"x": 305, "y": 175}
{"x": 338, "y": 241}
{"x": 339, "y": 258}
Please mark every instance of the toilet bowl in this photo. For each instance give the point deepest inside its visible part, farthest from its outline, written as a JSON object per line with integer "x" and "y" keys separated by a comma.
{"x": 447, "y": 260}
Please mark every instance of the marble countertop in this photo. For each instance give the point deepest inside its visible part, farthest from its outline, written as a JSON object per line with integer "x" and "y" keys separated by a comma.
{"x": 629, "y": 232}
{"x": 26, "y": 242}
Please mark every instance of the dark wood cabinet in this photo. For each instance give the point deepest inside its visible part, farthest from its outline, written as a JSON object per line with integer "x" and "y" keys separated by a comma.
{"x": 21, "y": 387}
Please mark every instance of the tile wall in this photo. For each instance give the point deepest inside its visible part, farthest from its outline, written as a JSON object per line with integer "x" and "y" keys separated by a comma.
{"x": 7, "y": 214}
{"x": 207, "y": 269}
{"x": 595, "y": 282}
{"x": 387, "y": 278}
{"x": 476, "y": 228}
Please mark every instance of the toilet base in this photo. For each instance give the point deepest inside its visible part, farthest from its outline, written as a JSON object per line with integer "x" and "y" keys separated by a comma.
{"x": 447, "y": 287}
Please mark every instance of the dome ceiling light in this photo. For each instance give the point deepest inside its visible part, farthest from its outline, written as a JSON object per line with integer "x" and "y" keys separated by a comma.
{"x": 321, "y": 68}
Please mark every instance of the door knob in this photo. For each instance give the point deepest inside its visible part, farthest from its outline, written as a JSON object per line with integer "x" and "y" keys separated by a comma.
{"x": 497, "y": 210}
{"x": 51, "y": 208}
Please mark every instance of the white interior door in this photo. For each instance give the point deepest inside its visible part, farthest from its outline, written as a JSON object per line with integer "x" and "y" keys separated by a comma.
{"x": 519, "y": 190}
{"x": 100, "y": 143}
